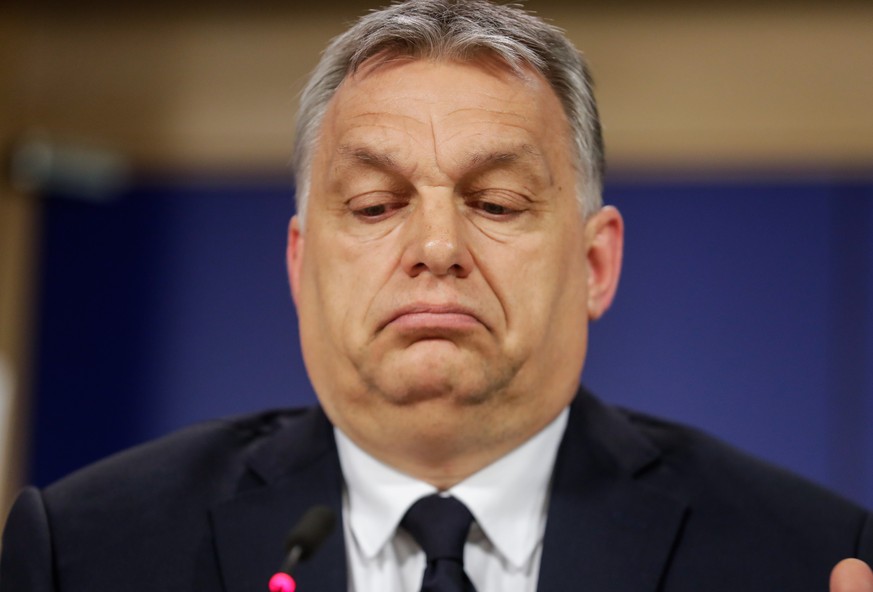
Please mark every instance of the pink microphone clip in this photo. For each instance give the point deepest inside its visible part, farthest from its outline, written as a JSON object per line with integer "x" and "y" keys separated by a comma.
{"x": 282, "y": 582}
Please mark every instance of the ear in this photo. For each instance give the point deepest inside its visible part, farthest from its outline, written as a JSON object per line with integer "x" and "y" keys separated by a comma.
{"x": 294, "y": 257}
{"x": 605, "y": 241}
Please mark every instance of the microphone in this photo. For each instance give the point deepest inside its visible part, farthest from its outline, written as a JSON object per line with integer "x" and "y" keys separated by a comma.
{"x": 304, "y": 539}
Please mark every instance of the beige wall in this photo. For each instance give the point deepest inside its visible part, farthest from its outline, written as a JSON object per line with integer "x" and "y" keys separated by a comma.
{"x": 735, "y": 86}
{"x": 729, "y": 86}
{"x": 18, "y": 232}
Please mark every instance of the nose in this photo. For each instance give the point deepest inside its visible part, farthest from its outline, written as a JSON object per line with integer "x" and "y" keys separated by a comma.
{"x": 435, "y": 240}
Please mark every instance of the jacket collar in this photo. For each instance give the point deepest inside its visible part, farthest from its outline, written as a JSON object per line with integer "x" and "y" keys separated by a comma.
{"x": 608, "y": 529}
{"x": 290, "y": 471}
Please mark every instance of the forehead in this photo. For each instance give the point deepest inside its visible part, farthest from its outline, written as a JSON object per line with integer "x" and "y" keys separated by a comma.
{"x": 442, "y": 101}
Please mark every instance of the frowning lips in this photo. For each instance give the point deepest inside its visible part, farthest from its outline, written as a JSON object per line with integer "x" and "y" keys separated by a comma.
{"x": 422, "y": 317}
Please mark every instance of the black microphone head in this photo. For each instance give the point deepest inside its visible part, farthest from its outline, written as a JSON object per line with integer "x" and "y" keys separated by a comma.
{"x": 310, "y": 532}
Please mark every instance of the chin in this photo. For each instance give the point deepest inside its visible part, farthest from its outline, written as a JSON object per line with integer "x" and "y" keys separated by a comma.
{"x": 438, "y": 373}
{"x": 435, "y": 389}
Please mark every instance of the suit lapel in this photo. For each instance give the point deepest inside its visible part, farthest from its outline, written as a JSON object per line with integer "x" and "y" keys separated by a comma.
{"x": 607, "y": 529}
{"x": 293, "y": 470}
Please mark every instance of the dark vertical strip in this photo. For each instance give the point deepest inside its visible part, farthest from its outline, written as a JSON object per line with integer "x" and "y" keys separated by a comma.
{"x": 851, "y": 271}
{"x": 93, "y": 307}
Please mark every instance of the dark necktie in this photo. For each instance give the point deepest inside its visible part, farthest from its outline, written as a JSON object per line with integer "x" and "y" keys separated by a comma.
{"x": 440, "y": 525}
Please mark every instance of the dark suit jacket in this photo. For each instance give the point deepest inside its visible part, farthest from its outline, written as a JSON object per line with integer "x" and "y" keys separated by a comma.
{"x": 638, "y": 505}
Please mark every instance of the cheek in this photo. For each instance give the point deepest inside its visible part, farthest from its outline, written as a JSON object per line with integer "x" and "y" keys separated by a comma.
{"x": 544, "y": 289}
{"x": 520, "y": 279}
{"x": 345, "y": 277}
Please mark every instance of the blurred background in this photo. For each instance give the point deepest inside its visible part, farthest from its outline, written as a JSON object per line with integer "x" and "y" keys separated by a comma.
{"x": 145, "y": 196}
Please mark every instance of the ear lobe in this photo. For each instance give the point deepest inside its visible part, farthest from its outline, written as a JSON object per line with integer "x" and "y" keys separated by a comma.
{"x": 605, "y": 233}
{"x": 294, "y": 257}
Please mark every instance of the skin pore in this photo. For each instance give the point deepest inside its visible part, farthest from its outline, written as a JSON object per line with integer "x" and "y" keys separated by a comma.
{"x": 446, "y": 276}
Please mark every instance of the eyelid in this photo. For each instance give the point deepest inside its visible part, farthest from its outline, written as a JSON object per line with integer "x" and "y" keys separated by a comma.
{"x": 374, "y": 197}
{"x": 507, "y": 198}
{"x": 510, "y": 211}
{"x": 388, "y": 200}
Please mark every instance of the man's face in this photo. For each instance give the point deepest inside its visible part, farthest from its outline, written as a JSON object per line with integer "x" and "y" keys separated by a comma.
{"x": 442, "y": 278}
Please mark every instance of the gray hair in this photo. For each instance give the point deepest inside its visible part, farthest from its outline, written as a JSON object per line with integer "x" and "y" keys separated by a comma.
{"x": 459, "y": 30}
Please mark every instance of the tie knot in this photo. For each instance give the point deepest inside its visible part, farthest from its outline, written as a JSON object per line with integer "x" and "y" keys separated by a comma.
{"x": 439, "y": 525}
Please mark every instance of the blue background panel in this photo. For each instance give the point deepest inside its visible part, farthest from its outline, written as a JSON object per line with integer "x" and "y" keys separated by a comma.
{"x": 745, "y": 308}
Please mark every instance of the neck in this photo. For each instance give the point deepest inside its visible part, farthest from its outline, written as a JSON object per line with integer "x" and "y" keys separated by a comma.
{"x": 443, "y": 457}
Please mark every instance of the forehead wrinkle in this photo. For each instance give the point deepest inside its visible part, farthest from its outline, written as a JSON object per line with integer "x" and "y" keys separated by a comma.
{"x": 492, "y": 148}
{"x": 385, "y": 124}
{"x": 492, "y": 111}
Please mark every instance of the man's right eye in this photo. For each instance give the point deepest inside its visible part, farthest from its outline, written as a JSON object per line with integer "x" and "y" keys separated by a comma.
{"x": 375, "y": 212}
{"x": 372, "y": 211}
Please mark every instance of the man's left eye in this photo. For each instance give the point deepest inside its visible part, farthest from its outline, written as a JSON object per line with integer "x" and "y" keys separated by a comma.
{"x": 494, "y": 210}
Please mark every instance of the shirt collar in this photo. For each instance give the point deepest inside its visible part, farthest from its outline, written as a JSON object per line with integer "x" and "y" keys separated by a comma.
{"x": 378, "y": 495}
{"x": 508, "y": 498}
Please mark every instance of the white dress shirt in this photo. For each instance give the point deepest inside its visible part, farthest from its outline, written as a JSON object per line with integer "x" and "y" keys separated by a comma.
{"x": 508, "y": 500}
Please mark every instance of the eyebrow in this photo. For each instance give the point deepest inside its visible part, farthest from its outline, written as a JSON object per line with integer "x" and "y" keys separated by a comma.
{"x": 486, "y": 160}
{"x": 525, "y": 154}
{"x": 368, "y": 157}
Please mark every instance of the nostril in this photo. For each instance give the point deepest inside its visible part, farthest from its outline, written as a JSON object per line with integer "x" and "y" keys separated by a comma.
{"x": 458, "y": 270}
{"x": 417, "y": 269}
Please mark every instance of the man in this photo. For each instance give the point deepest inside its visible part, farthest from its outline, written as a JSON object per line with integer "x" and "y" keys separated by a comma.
{"x": 449, "y": 250}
